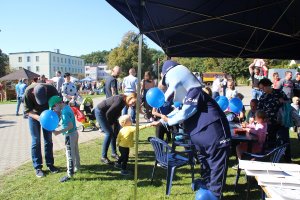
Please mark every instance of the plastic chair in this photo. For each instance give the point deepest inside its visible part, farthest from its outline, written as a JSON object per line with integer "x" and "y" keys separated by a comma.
{"x": 168, "y": 159}
{"x": 273, "y": 156}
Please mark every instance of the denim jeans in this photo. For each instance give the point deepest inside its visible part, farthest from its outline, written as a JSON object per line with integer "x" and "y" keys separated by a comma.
{"x": 19, "y": 101}
{"x": 36, "y": 154}
{"x": 132, "y": 112}
{"x": 256, "y": 94}
{"x": 110, "y": 132}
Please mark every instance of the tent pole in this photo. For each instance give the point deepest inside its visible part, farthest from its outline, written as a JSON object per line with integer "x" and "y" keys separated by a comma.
{"x": 138, "y": 106}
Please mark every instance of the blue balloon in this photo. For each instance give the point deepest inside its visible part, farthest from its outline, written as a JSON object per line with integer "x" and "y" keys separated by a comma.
{"x": 203, "y": 194}
{"x": 49, "y": 120}
{"x": 155, "y": 97}
{"x": 177, "y": 104}
{"x": 235, "y": 105}
{"x": 222, "y": 102}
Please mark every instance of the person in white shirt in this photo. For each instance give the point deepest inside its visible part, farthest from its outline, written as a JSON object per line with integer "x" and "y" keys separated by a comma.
{"x": 60, "y": 81}
{"x": 216, "y": 87}
{"x": 261, "y": 65}
{"x": 129, "y": 86}
{"x": 231, "y": 92}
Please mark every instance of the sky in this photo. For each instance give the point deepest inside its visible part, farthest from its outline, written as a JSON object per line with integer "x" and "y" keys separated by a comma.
{"x": 76, "y": 27}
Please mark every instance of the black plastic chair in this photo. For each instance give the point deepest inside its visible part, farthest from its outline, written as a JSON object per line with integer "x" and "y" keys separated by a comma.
{"x": 168, "y": 159}
{"x": 273, "y": 156}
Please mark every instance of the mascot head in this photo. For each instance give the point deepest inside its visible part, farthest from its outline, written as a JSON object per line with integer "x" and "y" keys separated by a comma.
{"x": 178, "y": 79}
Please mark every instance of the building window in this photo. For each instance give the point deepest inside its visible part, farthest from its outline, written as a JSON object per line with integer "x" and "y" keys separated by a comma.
{"x": 37, "y": 68}
{"x": 69, "y": 61}
{"x": 20, "y": 59}
{"x": 54, "y": 69}
{"x": 58, "y": 59}
{"x": 29, "y": 68}
{"x": 72, "y": 62}
{"x": 20, "y": 67}
{"x": 69, "y": 69}
{"x": 75, "y": 62}
{"x": 28, "y": 58}
{"x": 65, "y": 60}
{"x": 54, "y": 58}
{"x": 61, "y": 60}
{"x": 37, "y": 58}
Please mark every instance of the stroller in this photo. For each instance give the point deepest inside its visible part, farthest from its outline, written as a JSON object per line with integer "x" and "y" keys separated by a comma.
{"x": 85, "y": 115}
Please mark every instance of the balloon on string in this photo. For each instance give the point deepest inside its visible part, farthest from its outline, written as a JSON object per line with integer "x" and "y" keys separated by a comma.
{"x": 235, "y": 105}
{"x": 177, "y": 104}
{"x": 49, "y": 120}
{"x": 155, "y": 97}
{"x": 222, "y": 102}
{"x": 203, "y": 194}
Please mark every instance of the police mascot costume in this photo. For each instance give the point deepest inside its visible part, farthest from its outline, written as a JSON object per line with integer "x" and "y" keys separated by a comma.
{"x": 203, "y": 119}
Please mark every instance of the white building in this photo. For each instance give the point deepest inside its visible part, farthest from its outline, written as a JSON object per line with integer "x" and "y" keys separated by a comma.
{"x": 47, "y": 63}
{"x": 98, "y": 71}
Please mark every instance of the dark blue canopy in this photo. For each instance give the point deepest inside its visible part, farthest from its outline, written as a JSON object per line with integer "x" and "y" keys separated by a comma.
{"x": 218, "y": 28}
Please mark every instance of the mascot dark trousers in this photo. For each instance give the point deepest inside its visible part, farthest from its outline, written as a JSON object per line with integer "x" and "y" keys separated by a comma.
{"x": 213, "y": 146}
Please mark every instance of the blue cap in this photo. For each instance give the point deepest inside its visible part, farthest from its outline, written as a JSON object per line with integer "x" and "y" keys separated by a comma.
{"x": 169, "y": 64}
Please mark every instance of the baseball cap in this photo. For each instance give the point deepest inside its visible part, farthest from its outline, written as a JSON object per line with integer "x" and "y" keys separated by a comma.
{"x": 54, "y": 100}
{"x": 40, "y": 94}
{"x": 169, "y": 64}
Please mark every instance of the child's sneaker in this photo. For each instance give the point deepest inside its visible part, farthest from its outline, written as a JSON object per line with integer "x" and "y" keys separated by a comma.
{"x": 64, "y": 179}
{"x": 125, "y": 172}
{"x": 105, "y": 160}
{"x": 117, "y": 165}
{"x": 115, "y": 156}
{"x": 39, "y": 173}
{"x": 53, "y": 169}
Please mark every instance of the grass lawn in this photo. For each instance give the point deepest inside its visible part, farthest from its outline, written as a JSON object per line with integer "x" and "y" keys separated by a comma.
{"x": 99, "y": 181}
{"x": 8, "y": 102}
{"x": 92, "y": 96}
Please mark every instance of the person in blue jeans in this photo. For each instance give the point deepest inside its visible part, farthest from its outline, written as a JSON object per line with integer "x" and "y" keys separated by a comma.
{"x": 107, "y": 113}
{"x": 35, "y": 102}
{"x": 19, "y": 99}
{"x": 22, "y": 89}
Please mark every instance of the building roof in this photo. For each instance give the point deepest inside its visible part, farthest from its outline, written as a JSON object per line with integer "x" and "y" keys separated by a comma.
{"x": 19, "y": 74}
{"x": 42, "y": 52}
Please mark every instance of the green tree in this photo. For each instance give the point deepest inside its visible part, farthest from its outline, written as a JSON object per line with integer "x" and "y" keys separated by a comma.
{"x": 4, "y": 64}
{"x": 236, "y": 67}
{"x": 96, "y": 57}
{"x": 126, "y": 54}
{"x": 157, "y": 58}
{"x": 193, "y": 64}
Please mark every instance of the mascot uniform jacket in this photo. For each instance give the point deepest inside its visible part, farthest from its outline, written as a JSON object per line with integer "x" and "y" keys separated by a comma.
{"x": 203, "y": 120}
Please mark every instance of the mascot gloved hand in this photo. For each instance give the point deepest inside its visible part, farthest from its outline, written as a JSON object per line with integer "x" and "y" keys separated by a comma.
{"x": 203, "y": 120}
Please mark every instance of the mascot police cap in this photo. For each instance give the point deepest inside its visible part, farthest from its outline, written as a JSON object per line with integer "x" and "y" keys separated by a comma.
{"x": 169, "y": 64}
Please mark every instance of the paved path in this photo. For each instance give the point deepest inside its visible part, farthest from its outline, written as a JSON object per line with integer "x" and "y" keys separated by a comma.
{"x": 15, "y": 138}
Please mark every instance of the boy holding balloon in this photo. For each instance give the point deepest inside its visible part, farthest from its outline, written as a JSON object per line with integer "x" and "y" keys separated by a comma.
{"x": 70, "y": 132}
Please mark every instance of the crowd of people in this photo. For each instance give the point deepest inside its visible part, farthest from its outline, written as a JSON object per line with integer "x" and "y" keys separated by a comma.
{"x": 201, "y": 116}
